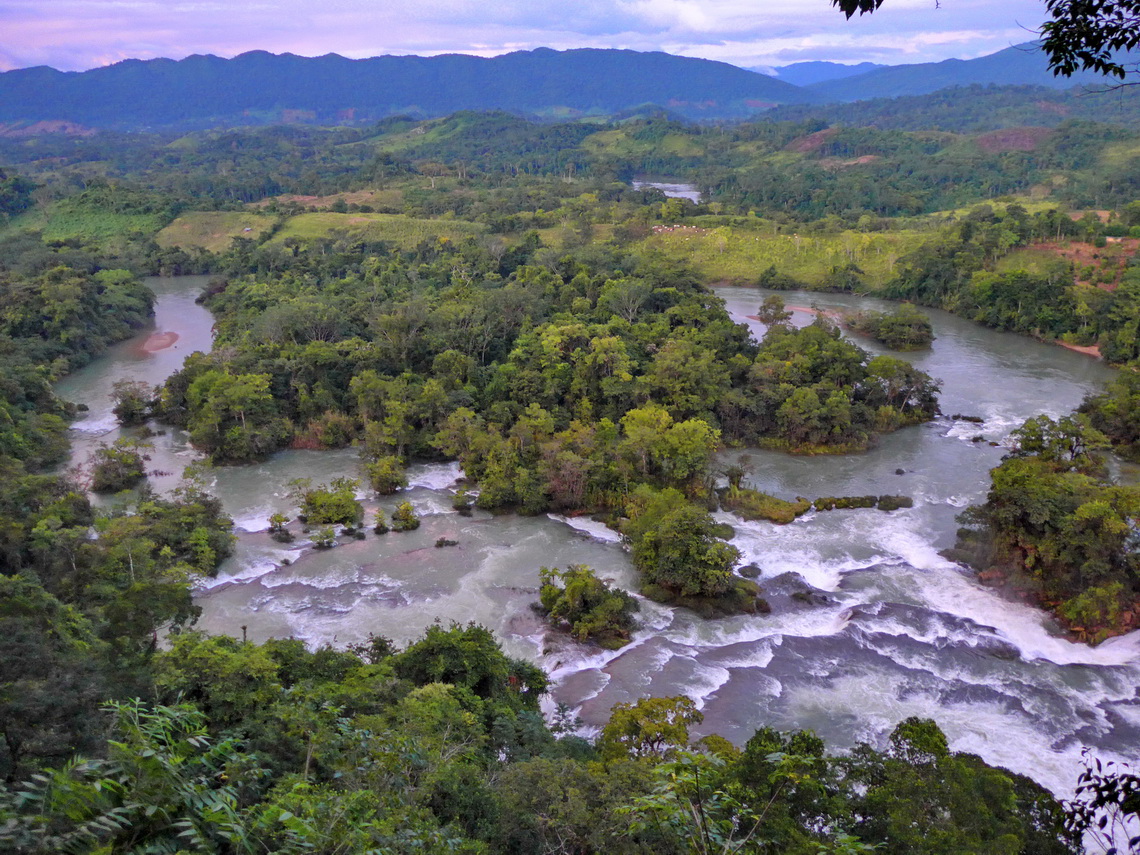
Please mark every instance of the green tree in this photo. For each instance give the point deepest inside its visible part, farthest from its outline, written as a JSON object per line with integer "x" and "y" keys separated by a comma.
{"x": 918, "y": 797}
{"x": 119, "y": 466}
{"x": 133, "y": 401}
{"x": 404, "y": 518}
{"x": 332, "y": 504}
{"x": 675, "y": 546}
{"x": 649, "y": 727}
{"x": 157, "y": 790}
{"x": 587, "y": 605}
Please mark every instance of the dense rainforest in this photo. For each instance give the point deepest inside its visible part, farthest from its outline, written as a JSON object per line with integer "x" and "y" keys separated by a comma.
{"x": 488, "y": 290}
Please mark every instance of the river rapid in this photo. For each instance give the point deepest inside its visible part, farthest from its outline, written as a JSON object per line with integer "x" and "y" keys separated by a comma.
{"x": 869, "y": 624}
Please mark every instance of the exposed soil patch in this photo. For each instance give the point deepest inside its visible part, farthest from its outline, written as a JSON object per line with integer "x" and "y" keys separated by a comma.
{"x": 812, "y": 142}
{"x": 1100, "y": 215}
{"x": 1013, "y": 139}
{"x": 1086, "y": 349}
{"x": 19, "y": 130}
{"x": 1099, "y": 266}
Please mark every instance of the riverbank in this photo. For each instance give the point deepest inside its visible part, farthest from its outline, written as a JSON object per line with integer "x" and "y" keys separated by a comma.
{"x": 1017, "y": 585}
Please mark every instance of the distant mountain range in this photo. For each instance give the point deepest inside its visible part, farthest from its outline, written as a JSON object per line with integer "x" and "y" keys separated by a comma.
{"x": 261, "y": 88}
{"x": 1020, "y": 65}
{"x": 807, "y": 73}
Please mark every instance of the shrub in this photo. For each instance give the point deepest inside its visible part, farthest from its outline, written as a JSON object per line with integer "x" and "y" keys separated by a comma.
{"x": 386, "y": 475}
{"x": 380, "y": 525}
{"x": 587, "y": 606}
{"x": 754, "y": 505}
{"x": 334, "y": 504}
{"x": 404, "y": 518}
{"x": 117, "y": 467}
{"x": 893, "y": 503}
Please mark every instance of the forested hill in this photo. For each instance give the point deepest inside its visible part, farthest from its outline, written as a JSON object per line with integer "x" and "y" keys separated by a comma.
{"x": 974, "y": 109}
{"x": 1020, "y": 65}
{"x": 257, "y": 87}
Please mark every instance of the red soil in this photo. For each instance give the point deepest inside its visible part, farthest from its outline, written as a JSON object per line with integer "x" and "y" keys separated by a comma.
{"x": 1013, "y": 139}
{"x": 158, "y": 341}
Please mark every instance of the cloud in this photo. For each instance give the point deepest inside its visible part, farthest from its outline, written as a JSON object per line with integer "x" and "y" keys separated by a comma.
{"x": 77, "y": 34}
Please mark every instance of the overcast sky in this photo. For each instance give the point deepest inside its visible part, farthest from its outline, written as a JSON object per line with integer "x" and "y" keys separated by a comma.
{"x": 79, "y": 34}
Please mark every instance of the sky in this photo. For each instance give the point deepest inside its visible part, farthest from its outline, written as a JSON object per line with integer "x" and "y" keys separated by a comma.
{"x": 73, "y": 35}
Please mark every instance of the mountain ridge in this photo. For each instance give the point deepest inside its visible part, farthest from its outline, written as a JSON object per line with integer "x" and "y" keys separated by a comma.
{"x": 258, "y": 86}
{"x": 1018, "y": 65}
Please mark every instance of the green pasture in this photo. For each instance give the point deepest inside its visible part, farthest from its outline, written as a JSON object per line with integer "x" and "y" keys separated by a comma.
{"x": 213, "y": 230}
{"x": 87, "y": 226}
{"x": 403, "y": 231}
{"x": 739, "y": 256}
{"x": 621, "y": 143}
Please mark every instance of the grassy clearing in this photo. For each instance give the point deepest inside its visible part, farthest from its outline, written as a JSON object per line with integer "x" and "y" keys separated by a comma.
{"x": 1031, "y": 204}
{"x": 403, "y": 231}
{"x": 387, "y": 198}
{"x": 1033, "y": 260}
{"x": 739, "y": 256}
{"x": 88, "y": 226}
{"x": 565, "y": 236}
{"x": 212, "y": 230}
{"x": 618, "y": 142}
{"x": 1119, "y": 155}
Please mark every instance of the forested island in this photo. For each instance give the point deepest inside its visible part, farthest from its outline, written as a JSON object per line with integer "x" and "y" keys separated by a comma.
{"x": 492, "y": 291}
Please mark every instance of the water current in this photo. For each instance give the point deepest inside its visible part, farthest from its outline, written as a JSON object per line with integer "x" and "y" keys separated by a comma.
{"x": 889, "y": 629}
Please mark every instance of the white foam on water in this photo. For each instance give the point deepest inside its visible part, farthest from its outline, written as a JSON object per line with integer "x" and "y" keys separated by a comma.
{"x": 938, "y": 631}
{"x": 254, "y": 520}
{"x": 705, "y": 682}
{"x": 255, "y": 567}
{"x": 97, "y": 423}
{"x": 435, "y": 476}
{"x": 431, "y": 505}
{"x": 945, "y": 587}
{"x": 653, "y": 617}
{"x": 329, "y": 579}
{"x": 796, "y": 548}
{"x": 879, "y": 701}
{"x": 799, "y": 623}
{"x": 756, "y": 655}
{"x": 967, "y": 431}
{"x": 593, "y": 528}
{"x": 1042, "y": 691}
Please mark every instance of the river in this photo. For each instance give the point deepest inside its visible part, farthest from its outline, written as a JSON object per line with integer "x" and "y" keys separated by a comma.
{"x": 674, "y": 190}
{"x": 890, "y": 628}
